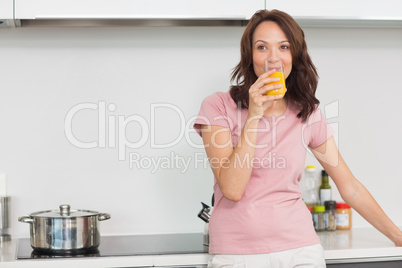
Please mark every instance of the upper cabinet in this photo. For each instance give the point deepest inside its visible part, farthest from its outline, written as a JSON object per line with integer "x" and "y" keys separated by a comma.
{"x": 309, "y": 13}
{"x": 339, "y": 8}
{"x": 136, "y": 9}
{"x": 348, "y": 12}
{"x": 6, "y": 10}
{"x": 6, "y": 13}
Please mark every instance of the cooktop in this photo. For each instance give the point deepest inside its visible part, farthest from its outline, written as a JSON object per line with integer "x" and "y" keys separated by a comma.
{"x": 130, "y": 245}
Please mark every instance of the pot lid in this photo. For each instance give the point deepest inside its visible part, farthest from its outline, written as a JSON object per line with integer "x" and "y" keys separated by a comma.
{"x": 65, "y": 212}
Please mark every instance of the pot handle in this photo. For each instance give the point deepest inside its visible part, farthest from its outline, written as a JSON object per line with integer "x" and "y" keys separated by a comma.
{"x": 103, "y": 216}
{"x": 26, "y": 219}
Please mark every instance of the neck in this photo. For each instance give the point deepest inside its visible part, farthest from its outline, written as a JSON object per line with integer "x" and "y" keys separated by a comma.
{"x": 277, "y": 108}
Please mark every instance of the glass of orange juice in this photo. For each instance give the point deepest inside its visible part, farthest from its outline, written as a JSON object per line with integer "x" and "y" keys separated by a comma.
{"x": 276, "y": 64}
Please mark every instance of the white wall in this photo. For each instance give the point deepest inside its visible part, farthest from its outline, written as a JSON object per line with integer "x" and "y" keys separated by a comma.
{"x": 45, "y": 72}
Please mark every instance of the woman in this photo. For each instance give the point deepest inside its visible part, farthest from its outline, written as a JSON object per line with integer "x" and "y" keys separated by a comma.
{"x": 256, "y": 144}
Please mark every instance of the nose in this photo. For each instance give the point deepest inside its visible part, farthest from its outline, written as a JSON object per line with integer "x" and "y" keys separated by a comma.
{"x": 273, "y": 59}
{"x": 273, "y": 64}
{"x": 273, "y": 55}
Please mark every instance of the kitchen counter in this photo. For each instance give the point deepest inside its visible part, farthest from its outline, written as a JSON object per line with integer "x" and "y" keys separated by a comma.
{"x": 358, "y": 245}
{"x": 354, "y": 246}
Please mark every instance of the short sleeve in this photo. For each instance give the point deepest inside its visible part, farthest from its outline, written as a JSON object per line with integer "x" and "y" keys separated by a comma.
{"x": 318, "y": 129}
{"x": 213, "y": 113}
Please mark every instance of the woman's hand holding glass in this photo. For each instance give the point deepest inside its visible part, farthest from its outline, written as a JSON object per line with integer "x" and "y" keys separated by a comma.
{"x": 276, "y": 65}
{"x": 259, "y": 100}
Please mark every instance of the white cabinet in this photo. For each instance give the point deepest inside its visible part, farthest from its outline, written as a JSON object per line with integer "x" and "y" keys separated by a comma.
{"x": 6, "y": 10}
{"x": 6, "y": 13}
{"x": 342, "y": 13}
{"x": 137, "y": 9}
{"x": 357, "y": 9}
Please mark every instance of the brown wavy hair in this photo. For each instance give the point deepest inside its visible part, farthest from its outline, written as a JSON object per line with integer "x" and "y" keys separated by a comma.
{"x": 301, "y": 83}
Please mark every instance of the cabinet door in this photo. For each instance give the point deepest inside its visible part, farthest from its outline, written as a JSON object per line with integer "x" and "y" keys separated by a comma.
{"x": 357, "y": 9}
{"x": 6, "y": 10}
{"x": 143, "y": 9}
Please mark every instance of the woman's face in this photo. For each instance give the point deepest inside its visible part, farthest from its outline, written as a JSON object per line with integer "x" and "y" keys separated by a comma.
{"x": 269, "y": 41}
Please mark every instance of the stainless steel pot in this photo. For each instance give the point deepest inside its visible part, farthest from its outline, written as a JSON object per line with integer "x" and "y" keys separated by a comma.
{"x": 65, "y": 230}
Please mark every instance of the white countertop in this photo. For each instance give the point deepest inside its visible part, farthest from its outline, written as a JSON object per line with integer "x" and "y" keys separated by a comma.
{"x": 359, "y": 244}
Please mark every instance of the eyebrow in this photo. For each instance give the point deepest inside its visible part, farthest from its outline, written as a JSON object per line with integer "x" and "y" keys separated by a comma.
{"x": 265, "y": 42}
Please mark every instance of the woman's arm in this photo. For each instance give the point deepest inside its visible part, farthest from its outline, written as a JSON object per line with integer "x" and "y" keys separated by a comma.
{"x": 231, "y": 166}
{"x": 353, "y": 192}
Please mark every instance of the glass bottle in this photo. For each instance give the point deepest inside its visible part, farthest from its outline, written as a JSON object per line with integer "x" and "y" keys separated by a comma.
{"x": 330, "y": 207}
{"x": 310, "y": 195}
{"x": 325, "y": 188}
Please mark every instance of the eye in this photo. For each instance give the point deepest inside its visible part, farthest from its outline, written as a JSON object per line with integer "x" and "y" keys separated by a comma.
{"x": 284, "y": 47}
{"x": 261, "y": 47}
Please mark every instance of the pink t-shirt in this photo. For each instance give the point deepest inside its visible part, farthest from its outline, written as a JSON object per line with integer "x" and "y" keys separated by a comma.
{"x": 271, "y": 215}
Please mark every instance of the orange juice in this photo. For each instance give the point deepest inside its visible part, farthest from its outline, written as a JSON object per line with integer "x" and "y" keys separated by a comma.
{"x": 280, "y": 91}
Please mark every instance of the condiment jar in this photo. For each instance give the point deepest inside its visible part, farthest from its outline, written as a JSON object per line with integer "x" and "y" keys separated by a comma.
{"x": 330, "y": 207}
{"x": 343, "y": 216}
{"x": 319, "y": 218}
